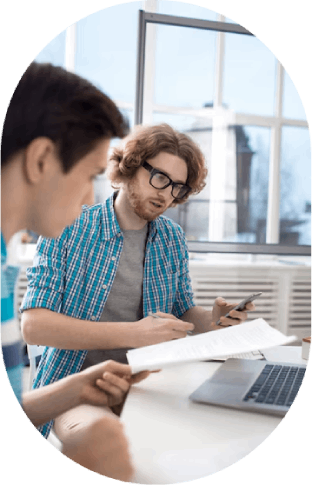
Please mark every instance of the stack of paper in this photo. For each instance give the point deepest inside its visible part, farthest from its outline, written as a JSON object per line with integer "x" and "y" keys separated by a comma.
{"x": 254, "y": 355}
{"x": 246, "y": 337}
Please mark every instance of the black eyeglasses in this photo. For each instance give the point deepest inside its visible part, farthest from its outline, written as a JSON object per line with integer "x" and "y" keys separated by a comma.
{"x": 160, "y": 180}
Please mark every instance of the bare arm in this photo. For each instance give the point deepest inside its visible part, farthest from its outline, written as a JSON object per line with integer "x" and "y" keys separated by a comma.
{"x": 41, "y": 405}
{"x": 105, "y": 384}
{"x": 41, "y": 326}
{"x": 45, "y": 327}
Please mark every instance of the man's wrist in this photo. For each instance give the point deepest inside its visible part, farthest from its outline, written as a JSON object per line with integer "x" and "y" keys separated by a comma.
{"x": 128, "y": 334}
{"x": 76, "y": 383}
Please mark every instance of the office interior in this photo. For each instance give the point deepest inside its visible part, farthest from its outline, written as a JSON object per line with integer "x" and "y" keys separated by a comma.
{"x": 249, "y": 230}
{"x": 233, "y": 97}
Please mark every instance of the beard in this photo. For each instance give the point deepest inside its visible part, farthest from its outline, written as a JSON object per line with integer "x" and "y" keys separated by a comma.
{"x": 138, "y": 205}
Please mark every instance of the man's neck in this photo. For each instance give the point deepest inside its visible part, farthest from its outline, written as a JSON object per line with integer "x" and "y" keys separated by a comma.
{"x": 13, "y": 202}
{"x": 127, "y": 219}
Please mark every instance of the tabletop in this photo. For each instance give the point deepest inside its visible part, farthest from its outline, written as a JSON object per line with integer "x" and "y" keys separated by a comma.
{"x": 173, "y": 439}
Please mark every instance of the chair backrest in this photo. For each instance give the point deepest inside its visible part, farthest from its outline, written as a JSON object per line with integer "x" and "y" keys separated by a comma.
{"x": 33, "y": 351}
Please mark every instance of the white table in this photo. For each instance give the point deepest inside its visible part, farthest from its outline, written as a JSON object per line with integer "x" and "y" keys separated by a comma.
{"x": 174, "y": 440}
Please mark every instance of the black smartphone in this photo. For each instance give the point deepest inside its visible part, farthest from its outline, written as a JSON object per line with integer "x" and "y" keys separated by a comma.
{"x": 242, "y": 304}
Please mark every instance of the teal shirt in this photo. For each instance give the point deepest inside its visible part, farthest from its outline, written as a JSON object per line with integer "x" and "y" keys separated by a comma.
{"x": 11, "y": 339}
{"x": 74, "y": 274}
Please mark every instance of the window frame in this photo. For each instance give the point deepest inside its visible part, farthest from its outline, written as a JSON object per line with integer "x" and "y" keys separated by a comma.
{"x": 275, "y": 123}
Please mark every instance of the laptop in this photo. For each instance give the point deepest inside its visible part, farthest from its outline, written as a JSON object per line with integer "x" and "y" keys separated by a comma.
{"x": 252, "y": 385}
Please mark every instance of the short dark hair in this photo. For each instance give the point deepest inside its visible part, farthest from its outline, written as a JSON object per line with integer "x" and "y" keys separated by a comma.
{"x": 54, "y": 103}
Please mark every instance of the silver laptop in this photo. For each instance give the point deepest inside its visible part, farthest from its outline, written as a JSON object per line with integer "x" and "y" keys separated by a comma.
{"x": 252, "y": 385}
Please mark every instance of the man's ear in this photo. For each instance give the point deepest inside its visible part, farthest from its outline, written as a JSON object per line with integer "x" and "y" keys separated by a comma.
{"x": 39, "y": 158}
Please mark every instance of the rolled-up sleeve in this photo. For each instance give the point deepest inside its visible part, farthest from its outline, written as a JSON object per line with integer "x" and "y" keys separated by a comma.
{"x": 46, "y": 277}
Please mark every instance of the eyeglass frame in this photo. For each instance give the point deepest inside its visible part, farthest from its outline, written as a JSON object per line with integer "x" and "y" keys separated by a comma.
{"x": 153, "y": 171}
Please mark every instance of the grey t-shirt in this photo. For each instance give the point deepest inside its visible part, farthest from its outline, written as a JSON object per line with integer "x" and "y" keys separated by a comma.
{"x": 125, "y": 300}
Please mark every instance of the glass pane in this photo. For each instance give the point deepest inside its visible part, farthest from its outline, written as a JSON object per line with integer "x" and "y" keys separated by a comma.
{"x": 54, "y": 52}
{"x": 238, "y": 184}
{"x": 295, "y": 187}
{"x": 258, "y": 141}
{"x": 249, "y": 75}
{"x": 193, "y": 217}
{"x": 292, "y": 105}
{"x": 184, "y": 66}
{"x": 233, "y": 205}
{"x": 185, "y": 10}
{"x": 106, "y": 50}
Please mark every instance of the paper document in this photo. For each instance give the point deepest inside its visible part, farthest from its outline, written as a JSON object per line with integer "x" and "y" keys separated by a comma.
{"x": 254, "y": 355}
{"x": 246, "y": 337}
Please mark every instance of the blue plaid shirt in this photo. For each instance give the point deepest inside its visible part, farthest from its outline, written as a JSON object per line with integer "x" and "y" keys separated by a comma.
{"x": 11, "y": 338}
{"x": 74, "y": 273}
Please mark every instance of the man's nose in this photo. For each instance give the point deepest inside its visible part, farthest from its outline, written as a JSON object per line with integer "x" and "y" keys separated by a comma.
{"x": 165, "y": 194}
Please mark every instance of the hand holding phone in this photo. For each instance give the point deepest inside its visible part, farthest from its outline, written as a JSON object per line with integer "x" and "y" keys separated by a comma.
{"x": 240, "y": 307}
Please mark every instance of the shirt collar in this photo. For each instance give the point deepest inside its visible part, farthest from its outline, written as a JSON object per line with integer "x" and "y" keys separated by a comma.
{"x": 110, "y": 224}
{"x": 153, "y": 228}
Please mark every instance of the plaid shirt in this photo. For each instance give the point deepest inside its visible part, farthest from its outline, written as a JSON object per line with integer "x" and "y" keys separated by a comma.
{"x": 74, "y": 273}
{"x": 11, "y": 338}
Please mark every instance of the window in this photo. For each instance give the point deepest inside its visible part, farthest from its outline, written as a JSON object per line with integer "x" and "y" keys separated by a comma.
{"x": 295, "y": 186}
{"x": 106, "y": 52}
{"x": 222, "y": 87}
{"x": 249, "y": 74}
{"x": 183, "y": 77}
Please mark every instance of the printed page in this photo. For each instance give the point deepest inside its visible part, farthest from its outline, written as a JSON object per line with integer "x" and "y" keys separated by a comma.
{"x": 254, "y": 355}
{"x": 246, "y": 337}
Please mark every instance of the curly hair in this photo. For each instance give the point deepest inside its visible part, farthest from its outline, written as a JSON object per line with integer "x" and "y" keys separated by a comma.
{"x": 146, "y": 142}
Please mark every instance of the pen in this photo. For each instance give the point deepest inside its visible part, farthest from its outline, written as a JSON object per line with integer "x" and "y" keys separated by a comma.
{"x": 158, "y": 316}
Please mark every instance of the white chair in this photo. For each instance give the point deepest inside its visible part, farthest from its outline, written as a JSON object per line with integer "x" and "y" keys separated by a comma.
{"x": 34, "y": 351}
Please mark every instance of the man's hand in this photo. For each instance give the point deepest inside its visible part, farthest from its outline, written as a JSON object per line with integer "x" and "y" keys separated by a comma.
{"x": 164, "y": 327}
{"x": 107, "y": 384}
{"x": 221, "y": 308}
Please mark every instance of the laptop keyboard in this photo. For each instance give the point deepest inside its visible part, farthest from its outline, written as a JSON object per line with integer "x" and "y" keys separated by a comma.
{"x": 276, "y": 385}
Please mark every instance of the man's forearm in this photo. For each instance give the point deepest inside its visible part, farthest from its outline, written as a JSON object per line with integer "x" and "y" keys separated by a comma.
{"x": 41, "y": 405}
{"x": 45, "y": 327}
{"x": 200, "y": 317}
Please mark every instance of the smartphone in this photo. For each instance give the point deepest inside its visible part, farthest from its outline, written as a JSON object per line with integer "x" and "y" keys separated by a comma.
{"x": 242, "y": 304}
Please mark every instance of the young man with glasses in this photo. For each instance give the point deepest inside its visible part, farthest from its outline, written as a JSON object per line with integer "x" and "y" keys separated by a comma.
{"x": 120, "y": 262}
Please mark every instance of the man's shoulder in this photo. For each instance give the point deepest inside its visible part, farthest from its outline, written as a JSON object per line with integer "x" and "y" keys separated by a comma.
{"x": 85, "y": 224}
{"x": 89, "y": 213}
